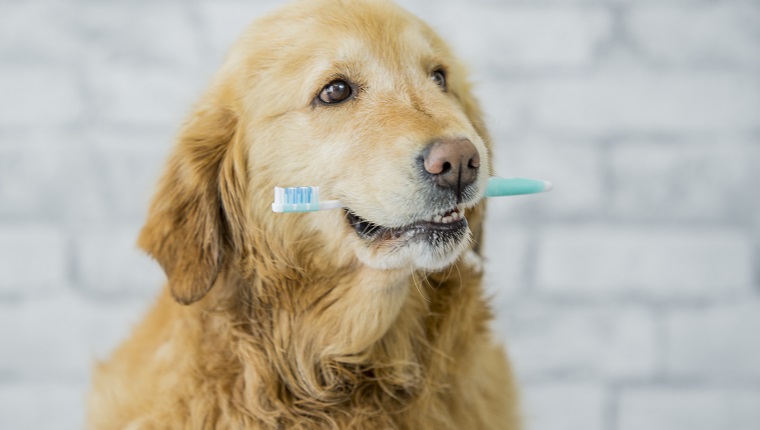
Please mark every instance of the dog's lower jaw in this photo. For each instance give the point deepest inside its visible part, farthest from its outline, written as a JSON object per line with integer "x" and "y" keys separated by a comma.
{"x": 414, "y": 254}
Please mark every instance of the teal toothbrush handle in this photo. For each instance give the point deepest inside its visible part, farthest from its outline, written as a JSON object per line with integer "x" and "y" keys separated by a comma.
{"x": 498, "y": 187}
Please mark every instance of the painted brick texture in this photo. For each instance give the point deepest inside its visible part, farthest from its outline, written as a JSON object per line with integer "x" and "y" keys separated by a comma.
{"x": 628, "y": 298}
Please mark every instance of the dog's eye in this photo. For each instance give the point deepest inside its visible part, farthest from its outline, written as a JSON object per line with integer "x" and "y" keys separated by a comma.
{"x": 439, "y": 77}
{"x": 335, "y": 92}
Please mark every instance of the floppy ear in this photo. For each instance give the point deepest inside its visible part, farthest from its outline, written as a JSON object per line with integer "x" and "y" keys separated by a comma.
{"x": 187, "y": 226}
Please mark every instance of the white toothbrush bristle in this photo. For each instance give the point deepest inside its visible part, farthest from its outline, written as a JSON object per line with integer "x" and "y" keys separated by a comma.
{"x": 301, "y": 199}
{"x": 296, "y": 195}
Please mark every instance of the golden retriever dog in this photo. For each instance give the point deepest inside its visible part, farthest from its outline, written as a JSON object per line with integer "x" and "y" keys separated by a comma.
{"x": 368, "y": 317}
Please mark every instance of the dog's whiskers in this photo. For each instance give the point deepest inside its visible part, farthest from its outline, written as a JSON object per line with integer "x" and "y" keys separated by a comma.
{"x": 417, "y": 286}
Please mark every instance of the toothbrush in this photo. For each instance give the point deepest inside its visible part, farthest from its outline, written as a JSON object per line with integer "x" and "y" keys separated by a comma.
{"x": 306, "y": 199}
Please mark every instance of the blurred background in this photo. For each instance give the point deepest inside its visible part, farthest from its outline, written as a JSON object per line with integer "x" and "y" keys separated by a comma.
{"x": 628, "y": 297}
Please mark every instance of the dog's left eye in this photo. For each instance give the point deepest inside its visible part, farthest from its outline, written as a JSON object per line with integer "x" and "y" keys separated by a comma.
{"x": 439, "y": 77}
{"x": 335, "y": 92}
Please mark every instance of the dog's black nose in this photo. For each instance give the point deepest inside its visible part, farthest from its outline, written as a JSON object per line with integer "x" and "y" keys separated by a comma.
{"x": 453, "y": 163}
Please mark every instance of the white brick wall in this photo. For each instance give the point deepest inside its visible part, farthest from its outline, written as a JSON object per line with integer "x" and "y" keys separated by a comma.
{"x": 109, "y": 263}
{"x": 35, "y": 32}
{"x": 717, "y": 343}
{"x": 49, "y": 405}
{"x": 136, "y": 94}
{"x": 694, "y": 408}
{"x": 659, "y": 263}
{"x": 32, "y": 260}
{"x": 35, "y": 95}
{"x": 629, "y": 298}
{"x": 565, "y": 406}
{"x": 714, "y": 35}
{"x": 141, "y": 33}
{"x": 529, "y": 38}
{"x": 59, "y": 336}
{"x": 687, "y": 181}
{"x": 624, "y": 99}
{"x": 561, "y": 341}
{"x": 573, "y": 167}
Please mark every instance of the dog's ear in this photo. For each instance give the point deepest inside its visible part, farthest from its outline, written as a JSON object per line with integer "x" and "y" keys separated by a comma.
{"x": 188, "y": 225}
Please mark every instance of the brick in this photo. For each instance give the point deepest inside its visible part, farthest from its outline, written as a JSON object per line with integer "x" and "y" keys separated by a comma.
{"x": 140, "y": 33}
{"x": 42, "y": 405}
{"x": 145, "y": 95}
{"x": 719, "y": 342}
{"x": 548, "y": 341}
{"x": 567, "y": 406}
{"x": 29, "y": 180}
{"x": 107, "y": 138}
{"x": 60, "y": 336}
{"x": 39, "y": 95}
{"x": 110, "y": 263}
{"x": 506, "y": 106}
{"x": 620, "y": 100}
{"x": 113, "y": 171}
{"x": 703, "y": 181}
{"x": 517, "y": 37}
{"x": 34, "y": 31}
{"x": 38, "y": 171}
{"x": 722, "y": 34}
{"x": 573, "y": 167}
{"x": 694, "y": 408}
{"x": 655, "y": 263}
{"x": 128, "y": 167}
{"x": 32, "y": 259}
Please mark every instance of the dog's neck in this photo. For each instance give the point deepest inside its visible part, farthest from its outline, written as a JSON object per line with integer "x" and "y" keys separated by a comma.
{"x": 352, "y": 339}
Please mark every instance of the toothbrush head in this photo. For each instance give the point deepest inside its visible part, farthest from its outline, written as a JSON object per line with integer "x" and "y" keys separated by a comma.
{"x": 296, "y": 199}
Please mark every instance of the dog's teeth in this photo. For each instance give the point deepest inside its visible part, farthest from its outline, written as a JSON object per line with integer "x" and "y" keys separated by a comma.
{"x": 446, "y": 217}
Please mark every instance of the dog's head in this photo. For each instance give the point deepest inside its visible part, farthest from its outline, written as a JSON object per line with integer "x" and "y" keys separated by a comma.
{"x": 359, "y": 98}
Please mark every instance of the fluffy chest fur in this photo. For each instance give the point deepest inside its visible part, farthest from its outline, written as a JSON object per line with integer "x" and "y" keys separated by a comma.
{"x": 241, "y": 363}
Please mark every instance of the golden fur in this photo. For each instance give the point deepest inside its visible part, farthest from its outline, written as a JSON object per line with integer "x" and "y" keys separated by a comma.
{"x": 290, "y": 321}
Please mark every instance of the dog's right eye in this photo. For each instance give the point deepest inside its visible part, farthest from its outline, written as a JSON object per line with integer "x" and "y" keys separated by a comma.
{"x": 335, "y": 92}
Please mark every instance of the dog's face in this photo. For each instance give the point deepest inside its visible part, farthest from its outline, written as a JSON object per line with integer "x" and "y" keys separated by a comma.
{"x": 363, "y": 100}
{"x": 366, "y": 102}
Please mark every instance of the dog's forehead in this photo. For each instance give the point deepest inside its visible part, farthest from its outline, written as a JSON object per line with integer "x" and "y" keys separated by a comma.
{"x": 408, "y": 47}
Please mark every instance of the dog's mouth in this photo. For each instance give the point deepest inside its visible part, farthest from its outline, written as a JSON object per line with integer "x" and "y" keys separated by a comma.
{"x": 435, "y": 227}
